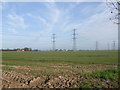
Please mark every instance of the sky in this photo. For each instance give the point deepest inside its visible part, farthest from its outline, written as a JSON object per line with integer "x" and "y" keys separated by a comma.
{"x": 31, "y": 24}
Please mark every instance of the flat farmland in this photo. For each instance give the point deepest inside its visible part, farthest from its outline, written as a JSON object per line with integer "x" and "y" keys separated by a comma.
{"x": 60, "y": 69}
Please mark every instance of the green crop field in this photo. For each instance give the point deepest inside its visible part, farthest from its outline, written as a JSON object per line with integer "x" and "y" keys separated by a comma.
{"x": 64, "y": 57}
{"x": 91, "y": 64}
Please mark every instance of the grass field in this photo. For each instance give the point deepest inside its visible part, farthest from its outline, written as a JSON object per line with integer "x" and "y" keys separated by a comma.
{"x": 91, "y": 64}
{"x": 57, "y": 57}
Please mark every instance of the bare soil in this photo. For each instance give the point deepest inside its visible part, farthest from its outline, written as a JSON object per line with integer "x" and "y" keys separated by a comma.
{"x": 12, "y": 79}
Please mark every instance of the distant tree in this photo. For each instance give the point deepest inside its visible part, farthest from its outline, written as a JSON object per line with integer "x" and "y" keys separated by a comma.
{"x": 30, "y": 49}
{"x": 26, "y": 49}
{"x": 35, "y": 50}
{"x": 114, "y": 6}
{"x": 17, "y": 49}
{"x": 8, "y": 49}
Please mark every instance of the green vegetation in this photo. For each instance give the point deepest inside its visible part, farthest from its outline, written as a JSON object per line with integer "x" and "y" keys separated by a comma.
{"x": 98, "y": 68}
{"x": 59, "y": 62}
{"x": 109, "y": 74}
{"x": 41, "y": 58}
{"x": 99, "y": 77}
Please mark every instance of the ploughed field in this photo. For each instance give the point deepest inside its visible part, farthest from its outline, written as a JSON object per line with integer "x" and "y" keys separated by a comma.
{"x": 60, "y": 69}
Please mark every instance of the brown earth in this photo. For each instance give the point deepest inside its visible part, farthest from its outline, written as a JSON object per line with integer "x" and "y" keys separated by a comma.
{"x": 12, "y": 79}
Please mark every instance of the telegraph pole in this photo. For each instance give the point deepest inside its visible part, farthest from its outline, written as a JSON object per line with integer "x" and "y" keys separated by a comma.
{"x": 53, "y": 42}
{"x": 113, "y": 45}
{"x": 74, "y": 39}
{"x": 96, "y": 45}
{"x": 108, "y": 46}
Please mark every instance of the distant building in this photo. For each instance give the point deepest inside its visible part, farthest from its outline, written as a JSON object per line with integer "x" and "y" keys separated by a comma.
{"x": 20, "y": 50}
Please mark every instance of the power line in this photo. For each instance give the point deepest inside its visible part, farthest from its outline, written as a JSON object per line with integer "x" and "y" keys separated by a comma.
{"x": 113, "y": 45}
{"x": 74, "y": 39}
{"x": 108, "y": 46}
{"x": 53, "y": 42}
{"x": 96, "y": 45}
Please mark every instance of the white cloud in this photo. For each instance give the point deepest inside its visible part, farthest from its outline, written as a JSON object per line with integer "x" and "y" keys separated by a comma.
{"x": 47, "y": 25}
{"x": 99, "y": 27}
{"x": 39, "y": 18}
{"x": 16, "y": 21}
{"x": 13, "y": 30}
{"x": 54, "y": 12}
{"x": 48, "y": 21}
{"x": 96, "y": 27}
{"x": 56, "y": 15}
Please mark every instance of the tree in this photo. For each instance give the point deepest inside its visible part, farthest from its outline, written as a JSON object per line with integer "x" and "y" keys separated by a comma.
{"x": 30, "y": 49}
{"x": 114, "y": 6}
{"x": 26, "y": 49}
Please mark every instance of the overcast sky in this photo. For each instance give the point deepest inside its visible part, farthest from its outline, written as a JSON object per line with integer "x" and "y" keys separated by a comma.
{"x": 31, "y": 24}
